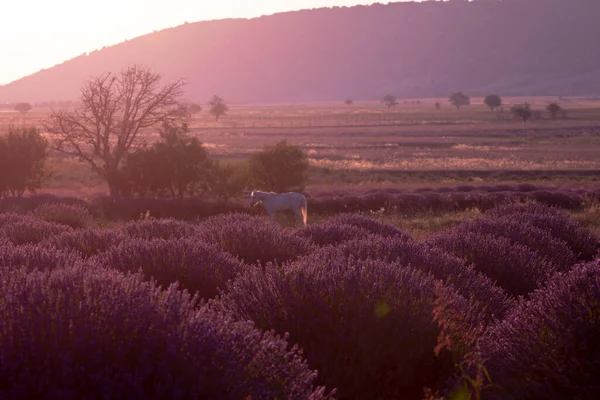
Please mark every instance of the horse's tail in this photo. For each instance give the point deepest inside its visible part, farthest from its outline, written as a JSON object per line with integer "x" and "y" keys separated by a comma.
{"x": 304, "y": 210}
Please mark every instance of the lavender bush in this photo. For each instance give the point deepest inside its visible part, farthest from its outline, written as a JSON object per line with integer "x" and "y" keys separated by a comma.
{"x": 582, "y": 241}
{"x": 30, "y": 230}
{"x": 158, "y": 228}
{"x": 368, "y": 224}
{"x": 196, "y": 266}
{"x": 538, "y": 240}
{"x": 328, "y": 233}
{"x": 514, "y": 267}
{"x": 96, "y": 334}
{"x": 365, "y": 325}
{"x": 489, "y": 299}
{"x": 34, "y": 257}
{"x": 73, "y": 215}
{"x": 86, "y": 242}
{"x": 253, "y": 238}
{"x": 547, "y": 347}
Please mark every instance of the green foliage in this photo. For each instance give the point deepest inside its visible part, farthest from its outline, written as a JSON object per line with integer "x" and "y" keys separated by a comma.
{"x": 493, "y": 101}
{"x": 23, "y": 152}
{"x": 459, "y": 99}
{"x": 437, "y": 105}
{"x": 218, "y": 107}
{"x": 226, "y": 180}
{"x": 23, "y": 107}
{"x": 176, "y": 166}
{"x": 348, "y": 102}
{"x": 194, "y": 108}
{"x": 553, "y": 109}
{"x": 389, "y": 100}
{"x": 279, "y": 168}
{"x": 522, "y": 111}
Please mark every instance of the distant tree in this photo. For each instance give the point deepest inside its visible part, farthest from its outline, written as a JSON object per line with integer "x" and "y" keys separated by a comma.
{"x": 194, "y": 108}
{"x": 176, "y": 166}
{"x": 389, "y": 100}
{"x": 348, "y": 102}
{"x": 437, "y": 105}
{"x": 23, "y": 107}
{"x": 23, "y": 153}
{"x": 459, "y": 99}
{"x": 218, "y": 108}
{"x": 279, "y": 168}
{"x": 493, "y": 101}
{"x": 113, "y": 113}
{"x": 553, "y": 109}
{"x": 522, "y": 111}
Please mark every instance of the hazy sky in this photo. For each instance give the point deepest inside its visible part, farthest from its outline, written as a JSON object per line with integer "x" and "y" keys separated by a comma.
{"x": 36, "y": 34}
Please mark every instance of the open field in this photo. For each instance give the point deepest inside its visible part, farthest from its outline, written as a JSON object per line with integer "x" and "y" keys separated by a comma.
{"x": 412, "y": 145}
{"x": 413, "y": 162}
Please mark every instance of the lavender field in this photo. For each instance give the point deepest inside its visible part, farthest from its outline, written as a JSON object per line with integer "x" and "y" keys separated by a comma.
{"x": 502, "y": 306}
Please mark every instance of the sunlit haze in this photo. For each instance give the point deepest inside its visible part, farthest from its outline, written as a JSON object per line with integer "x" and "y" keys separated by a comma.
{"x": 39, "y": 34}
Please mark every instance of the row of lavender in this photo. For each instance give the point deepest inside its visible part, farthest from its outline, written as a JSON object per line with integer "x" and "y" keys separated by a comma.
{"x": 324, "y": 201}
{"x": 91, "y": 312}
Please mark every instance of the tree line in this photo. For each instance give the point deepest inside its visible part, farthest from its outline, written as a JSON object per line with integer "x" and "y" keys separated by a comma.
{"x": 107, "y": 131}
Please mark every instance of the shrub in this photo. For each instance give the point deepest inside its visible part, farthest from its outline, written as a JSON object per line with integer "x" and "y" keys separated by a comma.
{"x": 198, "y": 267}
{"x": 86, "y": 242}
{"x": 365, "y": 325}
{"x": 253, "y": 238}
{"x": 176, "y": 166}
{"x": 72, "y": 215}
{"x": 279, "y": 168}
{"x": 31, "y": 230}
{"x": 514, "y": 267}
{"x": 547, "y": 347}
{"x": 96, "y": 334}
{"x": 553, "y": 250}
{"x": 489, "y": 299}
{"x": 33, "y": 257}
{"x": 23, "y": 153}
{"x": 158, "y": 228}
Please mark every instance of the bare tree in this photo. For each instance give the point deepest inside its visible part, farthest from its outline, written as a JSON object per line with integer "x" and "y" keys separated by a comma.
{"x": 115, "y": 109}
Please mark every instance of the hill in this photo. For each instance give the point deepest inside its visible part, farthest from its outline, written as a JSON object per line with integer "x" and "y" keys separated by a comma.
{"x": 428, "y": 49}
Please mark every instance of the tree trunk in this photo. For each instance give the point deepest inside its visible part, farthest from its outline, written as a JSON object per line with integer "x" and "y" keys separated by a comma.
{"x": 113, "y": 181}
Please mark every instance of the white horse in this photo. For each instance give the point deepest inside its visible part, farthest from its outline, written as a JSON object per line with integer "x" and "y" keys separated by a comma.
{"x": 274, "y": 202}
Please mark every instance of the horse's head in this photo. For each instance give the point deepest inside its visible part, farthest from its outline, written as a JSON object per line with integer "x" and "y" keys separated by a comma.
{"x": 254, "y": 199}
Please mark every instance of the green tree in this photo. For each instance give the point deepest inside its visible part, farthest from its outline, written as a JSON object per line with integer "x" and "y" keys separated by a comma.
{"x": 176, "y": 166}
{"x": 553, "y": 109}
{"x": 493, "y": 101}
{"x": 23, "y": 108}
{"x": 23, "y": 153}
{"x": 459, "y": 99}
{"x": 389, "y": 100}
{"x": 437, "y": 105}
{"x": 226, "y": 180}
{"x": 522, "y": 111}
{"x": 218, "y": 108}
{"x": 348, "y": 102}
{"x": 279, "y": 168}
{"x": 194, "y": 108}
{"x": 114, "y": 113}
